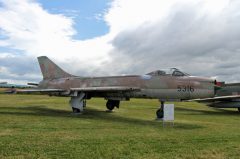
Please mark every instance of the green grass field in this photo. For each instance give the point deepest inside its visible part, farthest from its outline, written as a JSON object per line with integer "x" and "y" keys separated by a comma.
{"x": 43, "y": 127}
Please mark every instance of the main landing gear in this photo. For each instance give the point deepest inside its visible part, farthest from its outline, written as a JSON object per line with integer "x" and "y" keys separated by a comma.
{"x": 160, "y": 111}
{"x": 111, "y": 104}
{"x": 77, "y": 103}
{"x": 239, "y": 110}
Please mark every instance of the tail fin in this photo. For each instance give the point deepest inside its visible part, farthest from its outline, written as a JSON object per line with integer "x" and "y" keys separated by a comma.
{"x": 50, "y": 70}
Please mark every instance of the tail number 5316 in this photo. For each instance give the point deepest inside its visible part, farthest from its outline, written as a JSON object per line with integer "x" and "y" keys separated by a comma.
{"x": 185, "y": 89}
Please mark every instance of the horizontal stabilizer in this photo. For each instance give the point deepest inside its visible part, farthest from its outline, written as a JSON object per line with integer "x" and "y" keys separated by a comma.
{"x": 32, "y": 84}
{"x": 40, "y": 90}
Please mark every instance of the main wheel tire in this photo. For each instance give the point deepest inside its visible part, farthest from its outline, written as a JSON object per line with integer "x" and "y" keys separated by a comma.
{"x": 239, "y": 110}
{"x": 159, "y": 113}
{"x": 76, "y": 110}
{"x": 116, "y": 103}
{"x": 110, "y": 105}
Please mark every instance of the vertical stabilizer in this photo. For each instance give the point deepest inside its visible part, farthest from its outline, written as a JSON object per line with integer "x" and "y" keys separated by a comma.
{"x": 50, "y": 70}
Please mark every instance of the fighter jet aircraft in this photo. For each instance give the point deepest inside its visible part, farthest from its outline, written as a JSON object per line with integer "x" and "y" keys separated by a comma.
{"x": 171, "y": 85}
{"x": 8, "y": 85}
{"x": 12, "y": 88}
{"x": 227, "y": 96}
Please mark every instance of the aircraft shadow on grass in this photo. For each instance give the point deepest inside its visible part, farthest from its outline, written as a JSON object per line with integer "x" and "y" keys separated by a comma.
{"x": 212, "y": 111}
{"x": 89, "y": 113}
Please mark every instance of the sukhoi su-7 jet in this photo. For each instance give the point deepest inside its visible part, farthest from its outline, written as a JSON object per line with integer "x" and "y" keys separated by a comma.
{"x": 171, "y": 85}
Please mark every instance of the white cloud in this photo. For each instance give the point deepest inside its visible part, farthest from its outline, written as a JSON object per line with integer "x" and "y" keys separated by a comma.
{"x": 3, "y": 43}
{"x": 197, "y": 36}
{"x": 200, "y": 36}
{"x": 33, "y": 30}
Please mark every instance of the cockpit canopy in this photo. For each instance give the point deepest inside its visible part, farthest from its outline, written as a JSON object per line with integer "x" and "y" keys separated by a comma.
{"x": 167, "y": 72}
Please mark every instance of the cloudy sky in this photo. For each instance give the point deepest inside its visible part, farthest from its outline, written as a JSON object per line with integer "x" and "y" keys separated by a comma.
{"x": 112, "y": 37}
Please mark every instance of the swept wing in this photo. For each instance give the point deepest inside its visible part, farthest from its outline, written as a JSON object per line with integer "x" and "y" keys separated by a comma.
{"x": 83, "y": 89}
{"x": 105, "y": 89}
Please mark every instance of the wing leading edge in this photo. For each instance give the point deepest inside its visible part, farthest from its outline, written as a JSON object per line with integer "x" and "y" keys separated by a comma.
{"x": 105, "y": 89}
{"x": 83, "y": 89}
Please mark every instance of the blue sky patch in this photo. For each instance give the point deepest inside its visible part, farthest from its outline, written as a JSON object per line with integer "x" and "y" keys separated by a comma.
{"x": 87, "y": 15}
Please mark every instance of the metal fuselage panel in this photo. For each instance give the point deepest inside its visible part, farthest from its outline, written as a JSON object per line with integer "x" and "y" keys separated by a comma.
{"x": 157, "y": 87}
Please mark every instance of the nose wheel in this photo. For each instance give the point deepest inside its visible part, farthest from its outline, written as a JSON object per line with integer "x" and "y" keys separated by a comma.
{"x": 160, "y": 111}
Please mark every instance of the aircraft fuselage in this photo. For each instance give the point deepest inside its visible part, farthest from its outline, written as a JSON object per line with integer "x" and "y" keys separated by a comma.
{"x": 165, "y": 88}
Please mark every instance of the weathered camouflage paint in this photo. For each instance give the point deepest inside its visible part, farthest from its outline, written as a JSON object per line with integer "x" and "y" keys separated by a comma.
{"x": 165, "y": 88}
{"x": 50, "y": 70}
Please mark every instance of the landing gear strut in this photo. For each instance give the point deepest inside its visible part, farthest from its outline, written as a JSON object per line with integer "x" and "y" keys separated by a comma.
{"x": 111, "y": 104}
{"x": 160, "y": 112}
{"x": 77, "y": 103}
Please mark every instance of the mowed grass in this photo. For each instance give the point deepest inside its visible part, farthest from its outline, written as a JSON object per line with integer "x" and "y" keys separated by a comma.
{"x": 37, "y": 126}
{"x": 2, "y": 90}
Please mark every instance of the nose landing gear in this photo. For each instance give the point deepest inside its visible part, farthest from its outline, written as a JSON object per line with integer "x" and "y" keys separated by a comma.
{"x": 160, "y": 111}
